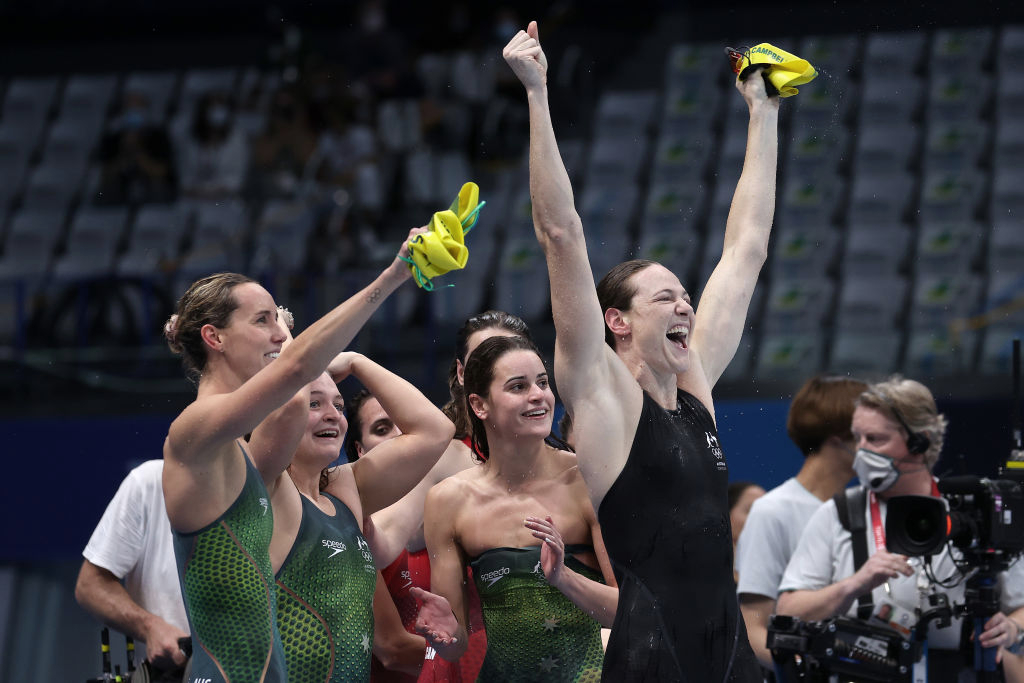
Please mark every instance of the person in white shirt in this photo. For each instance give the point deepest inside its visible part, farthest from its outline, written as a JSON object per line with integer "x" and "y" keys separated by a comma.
{"x": 819, "y": 424}
{"x": 899, "y": 434}
{"x": 132, "y": 543}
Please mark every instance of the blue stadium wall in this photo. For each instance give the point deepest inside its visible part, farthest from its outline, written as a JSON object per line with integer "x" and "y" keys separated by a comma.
{"x": 61, "y": 472}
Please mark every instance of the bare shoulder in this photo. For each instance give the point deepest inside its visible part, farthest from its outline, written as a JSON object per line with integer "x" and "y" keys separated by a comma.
{"x": 446, "y": 498}
{"x": 566, "y": 465}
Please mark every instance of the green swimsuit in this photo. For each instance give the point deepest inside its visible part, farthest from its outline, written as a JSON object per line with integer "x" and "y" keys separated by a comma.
{"x": 534, "y": 632}
{"x": 229, "y": 592}
{"x": 325, "y": 598}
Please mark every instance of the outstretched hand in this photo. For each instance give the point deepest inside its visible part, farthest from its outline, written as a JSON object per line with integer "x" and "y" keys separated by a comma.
{"x": 436, "y": 621}
{"x": 526, "y": 57}
{"x": 552, "y": 549}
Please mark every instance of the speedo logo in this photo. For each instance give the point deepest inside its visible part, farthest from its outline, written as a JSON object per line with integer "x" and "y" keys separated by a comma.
{"x": 494, "y": 577}
{"x": 336, "y": 546}
{"x": 264, "y": 504}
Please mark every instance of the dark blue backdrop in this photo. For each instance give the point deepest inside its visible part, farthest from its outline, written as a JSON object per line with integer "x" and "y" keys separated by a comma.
{"x": 60, "y": 473}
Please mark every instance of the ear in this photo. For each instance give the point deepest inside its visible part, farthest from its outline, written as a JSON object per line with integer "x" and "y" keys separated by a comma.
{"x": 479, "y": 406}
{"x": 617, "y": 322}
{"x": 360, "y": 451}
{"x": 460, "y": 372}
{"x": 211, "y": 337}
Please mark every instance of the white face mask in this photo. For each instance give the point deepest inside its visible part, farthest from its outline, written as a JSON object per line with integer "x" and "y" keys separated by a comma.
{"x": 877, "y": 472}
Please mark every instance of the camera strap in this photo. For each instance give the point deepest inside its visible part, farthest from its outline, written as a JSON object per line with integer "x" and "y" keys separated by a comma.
{"x": 851, "y": 505}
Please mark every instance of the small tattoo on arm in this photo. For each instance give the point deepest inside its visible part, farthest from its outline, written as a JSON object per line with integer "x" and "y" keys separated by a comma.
{"x": 373, "y": 296}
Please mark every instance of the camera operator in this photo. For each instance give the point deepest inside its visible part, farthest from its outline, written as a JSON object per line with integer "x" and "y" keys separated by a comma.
{"x": 132, "y": 543}
{"x": 819, "y": 424}
{"x": 899, "y": 434}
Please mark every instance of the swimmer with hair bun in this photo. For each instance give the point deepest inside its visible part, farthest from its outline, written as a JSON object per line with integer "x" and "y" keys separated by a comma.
{"x": 251, "y": 378}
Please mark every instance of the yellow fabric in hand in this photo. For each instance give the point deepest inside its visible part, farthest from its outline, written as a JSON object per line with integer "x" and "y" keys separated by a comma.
{"x": 785, "y": 70}
{"x": 443, "y": 249}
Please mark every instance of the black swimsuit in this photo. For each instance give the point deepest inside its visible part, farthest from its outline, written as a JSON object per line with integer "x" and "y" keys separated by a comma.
{"x": 665, "y": 523}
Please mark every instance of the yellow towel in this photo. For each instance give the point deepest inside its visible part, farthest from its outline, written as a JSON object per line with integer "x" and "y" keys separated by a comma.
{"x": 443, "y": 248}
{"x": 784, "y": 70}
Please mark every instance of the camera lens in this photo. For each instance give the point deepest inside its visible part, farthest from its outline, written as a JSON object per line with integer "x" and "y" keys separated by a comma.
{"x": 920, "y": 527}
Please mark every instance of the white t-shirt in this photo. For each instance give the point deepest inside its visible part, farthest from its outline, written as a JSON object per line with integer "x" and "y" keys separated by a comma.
{"x": 770, "y": 537}
{"x": 825, "y": 556}
{"x": 133, "y": 542}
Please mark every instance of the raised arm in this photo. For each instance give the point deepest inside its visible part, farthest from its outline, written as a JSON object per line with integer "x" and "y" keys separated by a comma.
{"x": 726, "y": 296}
{"x": 393, "y": 468}
{"x": 595, "y": 398}
{"x": 392, "y": 528}
{"x": 216, "y": 419}
{"x": 579, "y": 323}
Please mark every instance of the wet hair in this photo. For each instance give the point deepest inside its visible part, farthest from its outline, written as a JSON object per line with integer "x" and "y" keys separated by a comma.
{"x": 909, "y": 404}
{"x": 822, "y": 408}
{"x": 355, "y": 422}
{"x": 615, "y": 290}
{"x": 736, "y": 490}
{"x": 480, "y": 373}
{"x": 456, "y": 410}
{"x": 209, "y": 301}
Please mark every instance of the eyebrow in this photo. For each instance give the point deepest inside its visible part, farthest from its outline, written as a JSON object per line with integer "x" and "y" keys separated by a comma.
{"x": 523, "y": 377}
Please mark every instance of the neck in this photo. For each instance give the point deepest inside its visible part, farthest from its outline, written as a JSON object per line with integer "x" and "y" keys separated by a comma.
{"x": 514, "y": 460}
{"x": 660, "y": 387}
{"x": 218, "y": 378}
{"x": 306, "y": 476}
{"x": 824, "y": 474}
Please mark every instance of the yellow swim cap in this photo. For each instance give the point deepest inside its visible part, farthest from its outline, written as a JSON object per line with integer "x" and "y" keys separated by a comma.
{"x": 443, "y": 248}
{"x": 784, "y": 70}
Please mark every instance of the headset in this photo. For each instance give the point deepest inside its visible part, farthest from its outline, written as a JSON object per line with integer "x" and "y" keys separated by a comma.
{"x": 917, "y": 442}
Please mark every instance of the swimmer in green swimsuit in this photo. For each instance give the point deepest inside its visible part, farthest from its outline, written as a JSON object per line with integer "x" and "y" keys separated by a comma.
{"x": 542, "y": 610}
{"x": 329, "y": 572}
{"x": 251, "y": 378}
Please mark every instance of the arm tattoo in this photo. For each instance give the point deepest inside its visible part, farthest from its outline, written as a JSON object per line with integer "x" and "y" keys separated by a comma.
{"x": 373, "y": 296}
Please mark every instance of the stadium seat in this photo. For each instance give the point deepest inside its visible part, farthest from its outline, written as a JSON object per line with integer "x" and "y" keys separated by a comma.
{"x": 521, "y": 285}
{"x": 783, "y": 355}
{"x": 798, "y": 304}
{"x": 864, "y": 353}
{"x": 871, "y": 302}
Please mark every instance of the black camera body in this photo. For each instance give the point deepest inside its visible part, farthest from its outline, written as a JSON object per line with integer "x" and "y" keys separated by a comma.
{"x": 857, "y": 650}
{"x": 982, "y": 517}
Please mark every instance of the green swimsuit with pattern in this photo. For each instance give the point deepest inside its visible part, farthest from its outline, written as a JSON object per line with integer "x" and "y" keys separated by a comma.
{"x": 534, "y": 632}
{"x": 325, "y": 598}
{"x": 229, "y": 592}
